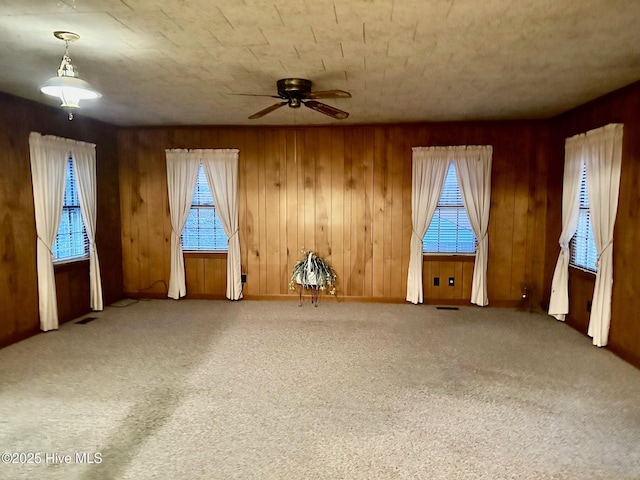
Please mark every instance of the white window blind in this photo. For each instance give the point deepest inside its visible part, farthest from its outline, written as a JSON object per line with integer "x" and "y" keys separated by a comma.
{"x": 71, "y": 241}
{"x": 203, "y": 230}
{"x": 582, "y": 246}
{"x": 450, "y": 230}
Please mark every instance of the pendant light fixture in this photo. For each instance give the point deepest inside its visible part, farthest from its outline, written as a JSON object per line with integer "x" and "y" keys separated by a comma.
{"x": 66, "y": 85}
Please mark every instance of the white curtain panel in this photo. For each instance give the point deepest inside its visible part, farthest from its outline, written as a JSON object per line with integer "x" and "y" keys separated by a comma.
{"x": 603, "y": 160}
{"x": 84, "y": 164}
{"x": 49, "y": 156}
{"x": 573, "y": 161}
{"x": 182, "y": 172}
{"x": 221, "y": 169}
{"x": 473, "y": 170}
{"x": 429, "y": 170}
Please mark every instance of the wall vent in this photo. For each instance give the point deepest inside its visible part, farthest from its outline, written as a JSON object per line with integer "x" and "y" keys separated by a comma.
{"x": 86, "y": 320}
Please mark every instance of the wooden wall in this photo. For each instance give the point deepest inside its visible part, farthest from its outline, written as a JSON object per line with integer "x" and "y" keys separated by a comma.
{"x": 622, "y": 106}
{"x": 72, "y": 289}
{"x": 443, "y": 268}
{"x": 18, "y": 281}
{"x": 344, "y": 192}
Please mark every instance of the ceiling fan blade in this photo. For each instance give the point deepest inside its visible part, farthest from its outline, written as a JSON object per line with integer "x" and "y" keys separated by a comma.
{"x": 326, "y": 109}
{"x": 270, "y": 109}
{"x": 254, "y": 95}
{"x": 329, "y": 94}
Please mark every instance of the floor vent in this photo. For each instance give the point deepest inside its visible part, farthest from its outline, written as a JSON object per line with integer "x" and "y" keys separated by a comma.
{"x": 86, "y": 320}
{"x": 447, "y": 308}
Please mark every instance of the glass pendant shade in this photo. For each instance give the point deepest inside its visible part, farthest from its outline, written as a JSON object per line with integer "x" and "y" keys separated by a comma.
{"x": 70, "y": 90}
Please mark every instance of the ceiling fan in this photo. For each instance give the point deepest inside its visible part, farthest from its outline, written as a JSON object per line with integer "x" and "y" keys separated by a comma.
{"x": 297, "y": 91}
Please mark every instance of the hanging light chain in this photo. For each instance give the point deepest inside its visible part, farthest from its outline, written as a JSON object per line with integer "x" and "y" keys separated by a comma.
{"x": 66, "y": 67}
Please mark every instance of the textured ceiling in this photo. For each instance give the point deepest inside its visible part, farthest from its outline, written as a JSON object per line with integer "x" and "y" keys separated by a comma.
{"x": 179, "y": 62}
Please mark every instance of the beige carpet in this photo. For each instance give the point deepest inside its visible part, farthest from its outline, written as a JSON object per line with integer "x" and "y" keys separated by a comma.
{"x": 268, "y": 390}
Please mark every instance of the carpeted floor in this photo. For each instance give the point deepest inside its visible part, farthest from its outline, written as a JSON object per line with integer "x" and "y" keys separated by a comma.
{"x": 196, "y": 389}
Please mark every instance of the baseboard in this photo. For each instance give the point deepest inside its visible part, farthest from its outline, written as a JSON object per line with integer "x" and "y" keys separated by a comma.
{"x": 325, "y": 297}
{"x": 447, "y": 301}
{"x": 505, "y": 303}
{"x": 18, "y": 337}
{"x": 144, "y": 295}
{"x": 204, "y": 296}
{"x": 459, "y": 302}
{"x": 627, "y": 356}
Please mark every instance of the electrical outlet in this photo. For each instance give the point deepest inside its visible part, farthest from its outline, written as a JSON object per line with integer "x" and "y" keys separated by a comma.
{"x": 243, "y": 278}
{"x": 452, "y": 281}
{"x": 436, "y": 281}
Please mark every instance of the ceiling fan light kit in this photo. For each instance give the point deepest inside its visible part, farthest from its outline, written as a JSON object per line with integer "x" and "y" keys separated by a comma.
{"x": 297, "y": 91}
{"x": 66, "y": 85}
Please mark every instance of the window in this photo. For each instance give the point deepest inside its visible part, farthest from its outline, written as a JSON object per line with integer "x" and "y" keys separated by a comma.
{"x": 203, "y": 229}
{"x": 71, "y": 241}
{"x": 450, "y": 230}
{"x": 583, "y": 247}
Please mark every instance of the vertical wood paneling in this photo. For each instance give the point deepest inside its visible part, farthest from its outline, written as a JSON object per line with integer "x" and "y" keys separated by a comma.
{"x": 144, "y": 208}
{"x": 393, "y": 257}
{"x": 581, "y": 287}
{"x": 387, "y": 220}
{"x": 136, "y": 227}
{"x": 18, "y": 279}
{"x": 194, "y": 274}
{"x": 206, "y": 275}
{"x": 348, "y": 238}
{"x": 127, "y": 141}
{"x": 72, "y": 290}
{"x": 380, "y": 190}
{"x": 404, "y": 151}
{"x": 337, "y": 207}
{"x": 502, "y": 220}
{"x": 292, "y": 232}
{"x": 537, "y": 218}
{"x": 210, "y": 270}
{"x": 367, "y": 150}
{"x": 261, "y": 212}
{"x": 461, "y": 269}
{"x": 622, "y": 106}
{"x": 447, "y": 269}
{"x": 19, "y": 317}
{"x": 467, "y": 279}
{"x": 252, "y": 226}
{"x": 358, "y": 213}
{"x": 157, "y": 199}
{"x": 271, "y": 208}
{"x": 283, "y": 261}
{"x": 521, "y": 199}
{"x": 344, "y": 192}
{"x": 625, "y": 327}
{"x": 323, "y": 194}
{"x": 308, "y": 179}
{"x": 428, "y": 272}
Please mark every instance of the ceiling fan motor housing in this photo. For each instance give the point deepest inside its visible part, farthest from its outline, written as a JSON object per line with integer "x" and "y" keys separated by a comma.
{"x": 294, "y": 88}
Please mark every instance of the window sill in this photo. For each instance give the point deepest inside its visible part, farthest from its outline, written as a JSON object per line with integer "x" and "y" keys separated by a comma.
{"x": 70, "y": 263}
{"x": 582, "y": 272}
{"x": 205, "y": 254}
{"x": 449, "y": 257}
